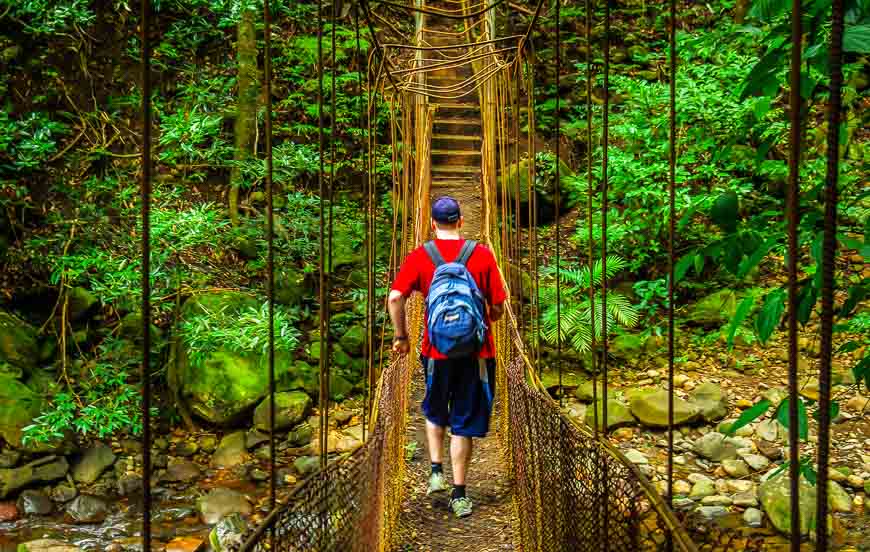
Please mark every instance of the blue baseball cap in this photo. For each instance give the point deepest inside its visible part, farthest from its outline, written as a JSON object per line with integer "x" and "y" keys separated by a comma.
{"x": 445, "y": 210}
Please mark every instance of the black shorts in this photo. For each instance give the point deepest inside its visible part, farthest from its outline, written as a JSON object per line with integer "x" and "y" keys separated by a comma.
{"x": 459, "y": 394}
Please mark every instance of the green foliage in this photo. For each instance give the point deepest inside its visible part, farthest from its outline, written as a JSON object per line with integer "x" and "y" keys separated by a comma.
{"x": 106, "y": 402}
{"x": 244, "y": 333}
{"x": 26, "y": 143}
{"x": 576, "y": 309}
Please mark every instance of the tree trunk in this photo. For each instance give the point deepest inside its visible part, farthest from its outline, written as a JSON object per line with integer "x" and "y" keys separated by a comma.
{"x": 245, "y": 127}
{"x": 741, "y": 8}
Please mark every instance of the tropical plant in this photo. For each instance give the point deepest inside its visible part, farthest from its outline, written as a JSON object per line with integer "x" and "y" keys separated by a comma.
{"x": 576, "y": 309}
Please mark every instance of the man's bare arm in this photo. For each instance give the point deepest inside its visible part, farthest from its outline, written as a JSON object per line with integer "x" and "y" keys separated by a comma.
{"x": 396, "y": 306}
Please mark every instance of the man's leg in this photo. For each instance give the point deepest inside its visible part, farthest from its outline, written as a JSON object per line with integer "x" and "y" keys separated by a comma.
{"x": 435, "y": 439}
{"x": 460, "y": 457}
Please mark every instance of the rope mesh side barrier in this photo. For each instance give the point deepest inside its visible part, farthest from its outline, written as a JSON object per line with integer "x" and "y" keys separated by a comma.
{"x": 572, "y": 489}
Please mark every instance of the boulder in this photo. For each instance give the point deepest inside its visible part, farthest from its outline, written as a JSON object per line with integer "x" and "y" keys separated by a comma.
{"x": 19, "y": 345}
{"x": 711, "y": 401}
{"x": 353, "y": 340}
{"x": 81, "y": 303}
{"x": 44, "y": 470}
{"x": 544, "y": 187}
{"x": 18, "y": 406}
{"x": 180, "y": 470}
{"x": 735, "y": 467}
{"x": 87, "y": 509}
{"x": 228, "y": 533}
{"x": 617, "y": 415}
{"x": 300, "y": 435}
{"x": 715, "y": 309}
{"x": 753, "y": 517}
{"x": 651, "y": 409}
{"x": 93, "y": 463}
{"x": 290, "y": 409}
{"x": 223, "y": 386}
{"x": 305, "y": 465}
{"x": 220, "y": 503}
{"x": 702, "y": 489}
{"x": 584, "y": 391}
{"x": 775, "y": 494}
{"x": 231, "y": 451}
{"x": 130, "y": 328}
{"x": 838, "y": 498}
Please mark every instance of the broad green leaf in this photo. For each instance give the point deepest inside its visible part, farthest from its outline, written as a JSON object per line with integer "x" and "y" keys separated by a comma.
{"x": 768, "y": 9}
{"x": 699, "y": 264}
{"x": 752, "y": 261}
{"x": 806, "y": 302}
{"x": 763, "y": 75}
{"x": 739, "y": 316}
{"x": 809, "y": 473}
{"x": 770, "y": 315}
{"x": 856, "y": 39}
{"x": 683, "y": 265}
{"x": 782, "y": 417}
{"x": 850, "y": 346}
{"x": 856, "y": 294}
{"x": 749, "y": 415}
{"x": 762, "y": 106}
{"x": 834, "y": 411}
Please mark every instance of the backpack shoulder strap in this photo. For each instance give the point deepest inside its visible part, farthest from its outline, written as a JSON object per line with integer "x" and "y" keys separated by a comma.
{"x": 465, "y": 252}
{"x": 434, "y": 254}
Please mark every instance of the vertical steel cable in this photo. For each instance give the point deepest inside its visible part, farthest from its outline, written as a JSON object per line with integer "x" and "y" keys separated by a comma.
{"x": 519, "y": 242}
{"x": 829, "y": 252}
{"x": 605, "y": 137}
{"x": 558, "y": 205}
{"x": 329, "y": 271}
{"x": 792, "y": 195}
{"x": 368, "y": 259}
{"x": 589, "y": 189}
{"x": 672, "y": 186}
{"x": 323, "y": 401}
{"x": 144, "y": 28}
{"x": 270, "y": 256}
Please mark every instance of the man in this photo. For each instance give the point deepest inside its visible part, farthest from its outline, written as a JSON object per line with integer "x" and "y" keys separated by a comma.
{"x": 459, "y": 390}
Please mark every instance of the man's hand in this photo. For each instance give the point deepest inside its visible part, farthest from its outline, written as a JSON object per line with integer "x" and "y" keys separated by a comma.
{"x": 401, "y": 346}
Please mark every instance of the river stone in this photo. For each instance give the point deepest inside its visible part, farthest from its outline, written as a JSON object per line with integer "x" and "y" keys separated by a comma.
{"x": 300, "y": 435}
{"x": 95, "y": 460}
{"x": 180, "y": 470}
{"x": 753, "y": 517}
{"x": 714, "y": 446}
{"x": 756, "y": 461}
{"x": 735, "y": 468}
{"x": 745, "y": 499}
{"x": 716, "y": 500}
{"x": 186, "y": 449}
{"x": 228, "y": 533}
{"x": 208, "y": 443}
{"x": 774, "y": 494}
{"x": 838, "y": 498}
{"x": 652, "y": 409}
{"x": 584, "y": 391}
{"x": 702, "y": 489}
{"x": 87, "y": 509}
{"x": 63, "y": 493}
{"x": 290, "y": 408}
{"x": 353, "y": 340}
{"x": 220, "y": 503}
{"x": 44, "y": 470}
{"x": 19, "y": 345}
{"x": 770, "y": 430}
{"x": 712, "y": 512}
{"x": 255, "y": 437}
{"x": 34, "y": 503}
{"x": 9, "y": 459}
{"x": 306, "y": 465}
{"x": 47, "y": 545}
{"x": 129, "y": 484}
{"x": 636, "y": 457}
{"x": 231, "y": 451}
{"x": 617, "y": 415}
{"x": 711, "y": 401}
{"x": 224, "y": 386}
{"x": 773, "y": 451}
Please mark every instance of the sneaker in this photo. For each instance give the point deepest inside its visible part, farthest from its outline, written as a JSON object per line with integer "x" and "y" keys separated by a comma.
{"x": 461, "y": 506}
{"x": 437, "y": 484}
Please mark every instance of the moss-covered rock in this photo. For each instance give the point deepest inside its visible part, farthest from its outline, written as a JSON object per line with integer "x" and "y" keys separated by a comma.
{"x": 19, "y": 345}
{"x": 618, "y": 415}
{"x": 516, "y": 181}
{"x": 290, "y": 409}
{"x": 81, "y": 303}
{"x": 626, "y": 346}
{"x": 353, "y": 340}
{"x": 715, "y": 309}
{"x": 651, "y": 409}
{"x": 292, "y": 286}
{"x": 18, "y": 406}
{"x": 225, "y": 385}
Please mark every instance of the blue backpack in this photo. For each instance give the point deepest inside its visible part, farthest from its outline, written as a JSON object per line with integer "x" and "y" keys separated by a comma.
{"x": 454, "y": 306}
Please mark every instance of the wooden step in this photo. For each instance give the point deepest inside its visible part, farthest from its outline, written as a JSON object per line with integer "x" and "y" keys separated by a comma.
{"x": 469, "y": 106}
{"x": 467, "y": 121}
{"x": 458, "y": 169}
{"x": 465, "y": 153}
{"x": 456, "y": 137}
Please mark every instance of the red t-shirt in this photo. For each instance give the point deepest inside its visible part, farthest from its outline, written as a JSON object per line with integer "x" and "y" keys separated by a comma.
{"x": 417, "y": 271}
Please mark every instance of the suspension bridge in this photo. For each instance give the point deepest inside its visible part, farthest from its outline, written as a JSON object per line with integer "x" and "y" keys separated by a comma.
{"x": 457, "y": 92}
